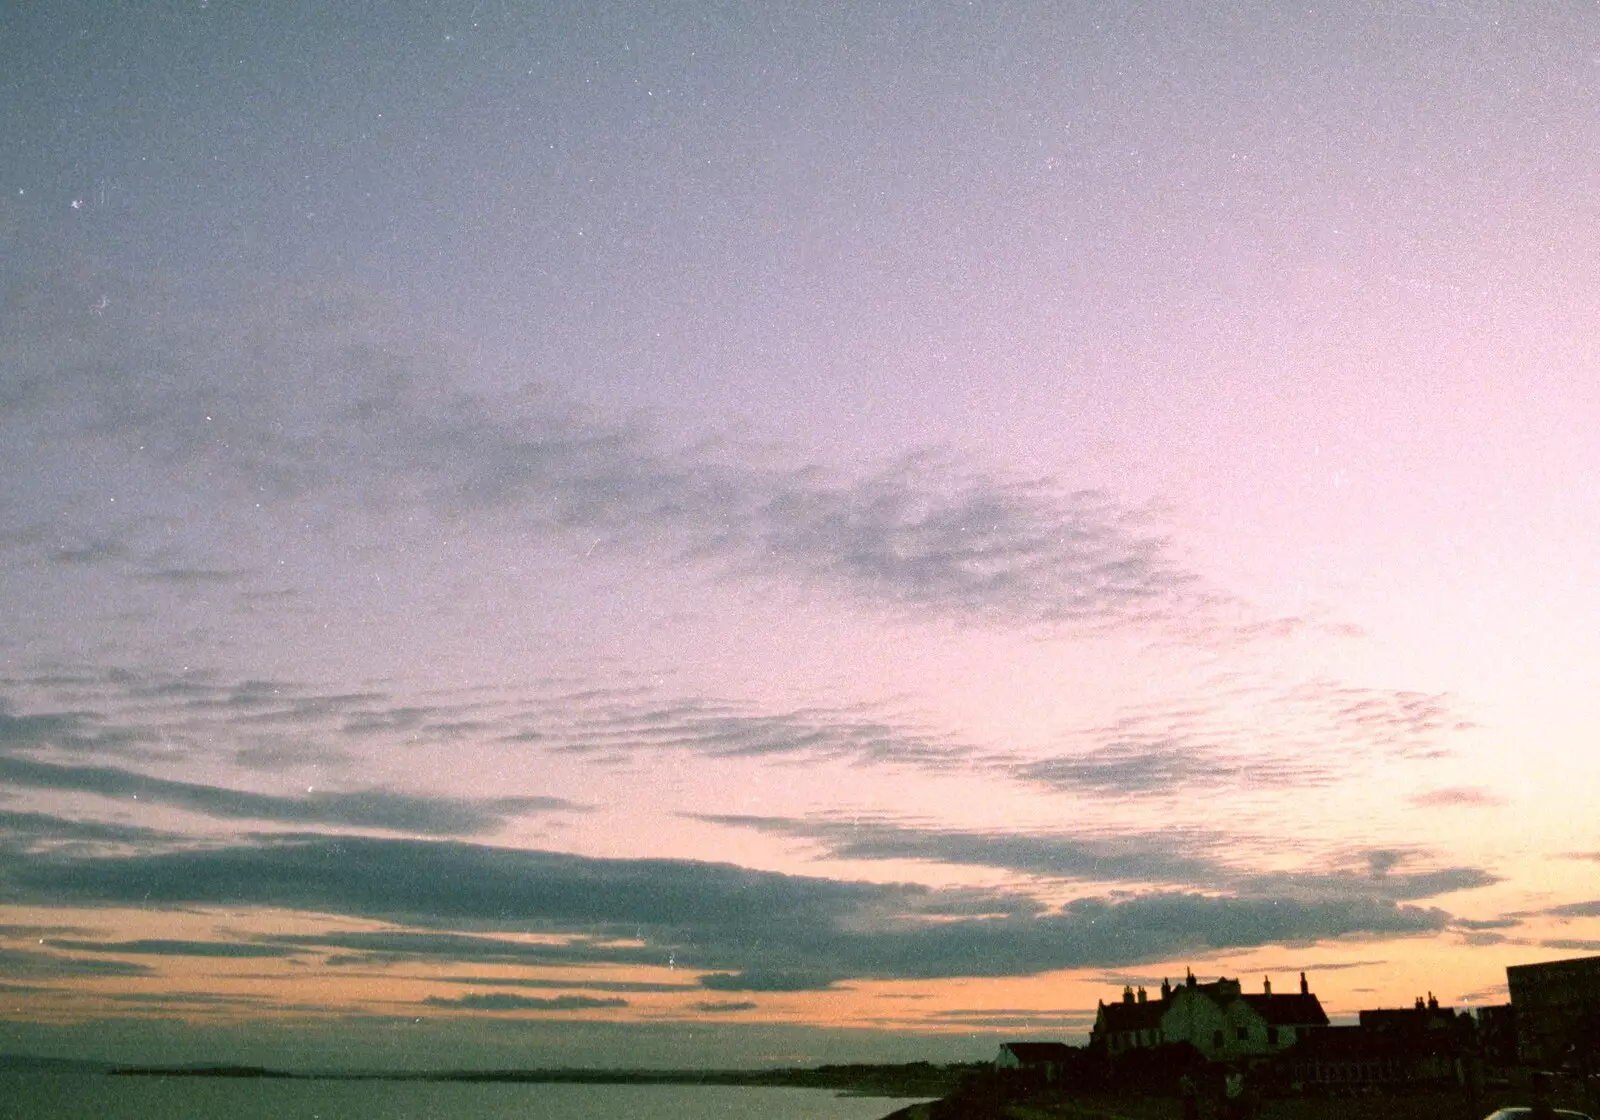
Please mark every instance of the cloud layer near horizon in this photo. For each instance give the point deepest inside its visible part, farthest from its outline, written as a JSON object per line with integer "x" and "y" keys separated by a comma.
{"x": 749, "y": 931}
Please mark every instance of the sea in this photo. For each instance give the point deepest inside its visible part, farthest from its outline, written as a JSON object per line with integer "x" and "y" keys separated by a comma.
{"x": 36, "y": 1095}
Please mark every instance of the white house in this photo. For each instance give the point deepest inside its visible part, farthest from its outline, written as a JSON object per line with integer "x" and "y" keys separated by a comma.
{"x": 1218, "y": 1019}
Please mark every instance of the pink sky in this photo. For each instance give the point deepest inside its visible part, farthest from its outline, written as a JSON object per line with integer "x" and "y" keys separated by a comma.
{"x": 859, "y": 533}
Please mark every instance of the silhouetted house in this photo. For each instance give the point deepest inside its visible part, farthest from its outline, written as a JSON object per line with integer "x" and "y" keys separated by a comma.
{"x": 1419, "y": 1045}
{"x": 1218, "y": 1019}
{"x": 1422, "y": 1018}
{"x": 1557, "y": 1007}
{"x": 1132, "y": 1024}
{"x": 1047, "y": 1061}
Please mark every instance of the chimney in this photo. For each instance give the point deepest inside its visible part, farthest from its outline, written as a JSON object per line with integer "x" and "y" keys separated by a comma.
{"x": 1433, "y": 1002}
{"x": 1266, "y": 985}
{"x": 1142, "y": 997}
{"x": 1419, "y": 1003}
{"x": 1189, "y": 979}
{"x": 1305, "y": 989}
{"x": 1166, "y": 989}
{"x": 1127, "y": 993}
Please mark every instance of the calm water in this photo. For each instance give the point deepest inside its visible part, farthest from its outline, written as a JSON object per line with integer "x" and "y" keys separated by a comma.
{"x": 55, "y": 1096}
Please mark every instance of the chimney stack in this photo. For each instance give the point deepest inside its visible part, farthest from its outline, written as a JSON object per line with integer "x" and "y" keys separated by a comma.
{"x": 1305, "y": 989}
{"x": 1266, "y": 985}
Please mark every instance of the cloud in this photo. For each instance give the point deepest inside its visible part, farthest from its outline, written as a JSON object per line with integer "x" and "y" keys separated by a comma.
{"x": 1163, "y": 857}
{"x": 159, "y": 947}
{"x": 726, "y": 1008}
{"x": 747, "y": 930}
{"x": 1487, "y": 923}
{"x": 1454, "y": 796}
{"x": 564, "y": 984}
{"x": 436, "y": 816}
{"x": 715, "y": 730}
{"x": 1240, "y": 733}
{"x": 25, "y": 963}
{"x": 1193, "y": 858}
{"x": 768, "y": 980}
{"x": 505, "y": 1001}
{"x": 301, "y": 392}
{"x": 1589, "y": 909}
{"x": 25, "y": 831}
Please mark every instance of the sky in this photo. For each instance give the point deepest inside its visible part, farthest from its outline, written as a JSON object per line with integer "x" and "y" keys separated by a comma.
{"x": 713, "y": 534}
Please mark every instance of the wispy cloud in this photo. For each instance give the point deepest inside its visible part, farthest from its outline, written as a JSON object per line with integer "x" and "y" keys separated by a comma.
{"x": 1457, "y": 796}
{"x": 505, "y": 1001}
{"x": 434, "y": 816}
{"x": 317, "y": 389}
{"x": 1184, "y": 858}
{"x": 567, "y": 983}
{"x": 1238, "y": 732}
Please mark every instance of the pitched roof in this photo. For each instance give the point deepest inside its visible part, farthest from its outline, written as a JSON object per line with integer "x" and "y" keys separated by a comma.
{"x": 1133, "y": 1016}
{"x": 1030, "y": 1052}
{"x": 1295, "y": 1009}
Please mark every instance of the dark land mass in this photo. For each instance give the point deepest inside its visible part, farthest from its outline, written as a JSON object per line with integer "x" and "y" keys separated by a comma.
{"x": 916, "y": 1079}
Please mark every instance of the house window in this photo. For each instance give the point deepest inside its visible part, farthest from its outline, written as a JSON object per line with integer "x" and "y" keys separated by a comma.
{"x": 1272, "y": 1036}
{"x": 1216, "y": 1040}
{"x": 1244, "y": 1034}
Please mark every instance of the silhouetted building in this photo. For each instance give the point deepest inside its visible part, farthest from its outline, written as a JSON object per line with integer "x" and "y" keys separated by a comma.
{"x": 1218, "y": 1019}
{"x": 1046, "y": 1060}
{"x": 1421, "y": 1044}
{"x": 1557, "y": 1008}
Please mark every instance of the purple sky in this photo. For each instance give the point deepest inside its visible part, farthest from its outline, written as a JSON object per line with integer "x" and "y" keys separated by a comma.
{"x": 525, "y": 528}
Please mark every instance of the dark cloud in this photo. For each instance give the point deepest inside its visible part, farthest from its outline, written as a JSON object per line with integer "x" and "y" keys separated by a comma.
{"x": 445, "y": 882}
{"x": 1487, "y": 923}
{"x": 749, "y": 930}
{"x": 564, "y": 985}
{"x": 158, "y": 947}
{"x": 1590, "y": 909}
{"x": 1015, "y": 1019}
{"x": 505, "y": 1001}
{"x": 434, "y": 816}
{"x": 25, "y": 963}
{"x": 31, "y": 830}
{"x": 70, "y": 730}
{"x": 768, "y": 980}
{"x": 1573, "y": 944}
{"x": 191, "y": 999}
{"x": 725, "y": 1008}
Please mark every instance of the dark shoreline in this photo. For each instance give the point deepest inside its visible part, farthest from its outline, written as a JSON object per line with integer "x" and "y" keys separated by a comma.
{"x": 865, "y": 1081}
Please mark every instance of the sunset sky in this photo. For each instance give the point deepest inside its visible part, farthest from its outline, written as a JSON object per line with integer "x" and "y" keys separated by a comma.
{"x": 723, "y": 534}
